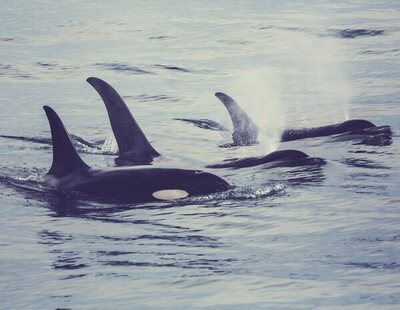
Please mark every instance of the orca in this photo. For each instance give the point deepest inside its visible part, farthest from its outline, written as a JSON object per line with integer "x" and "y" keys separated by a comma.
{"x": 344, "y": 127}
{"x": 126, "y": 128}
{"x": 283, "y": 158}
{"x": 69, "y": 172}
{"x": 245, "y": 131}
{"x": 133, "y": 146}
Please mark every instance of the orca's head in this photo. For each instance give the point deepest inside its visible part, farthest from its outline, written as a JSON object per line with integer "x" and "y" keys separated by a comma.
{"x": 204, "y": 183}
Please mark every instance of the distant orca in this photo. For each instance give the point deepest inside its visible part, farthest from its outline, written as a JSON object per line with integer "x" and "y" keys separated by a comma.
{"x": 133, "y": 184}
{"x": 134, "y": 148}
{"x": 284, "y": 158}
{"x": 245, "y": 132}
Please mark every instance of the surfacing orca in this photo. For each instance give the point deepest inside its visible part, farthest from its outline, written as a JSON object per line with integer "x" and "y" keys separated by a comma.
{"x": 245, "y": 131}
{"x": 134, "y": 148}
{"x": 284, "y": 158}
{"x": 128, "y": 184}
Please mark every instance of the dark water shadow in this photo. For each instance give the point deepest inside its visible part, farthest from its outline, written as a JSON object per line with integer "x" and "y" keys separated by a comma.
{"x": 174, "y": 68}
{"x": 363, "y": 163}
{"x": 80, "y": 144}
{"x": 312, "y": 175}
{"x": 204, "y": 124}
{"x": 354, "y": 33}
{"x": 152, "y": 98}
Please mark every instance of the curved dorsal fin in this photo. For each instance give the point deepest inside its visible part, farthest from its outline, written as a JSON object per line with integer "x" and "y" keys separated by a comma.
{"x": 245, "y": 132}
{"x": 132, "y": 143}
{"x": 65, "y": 158}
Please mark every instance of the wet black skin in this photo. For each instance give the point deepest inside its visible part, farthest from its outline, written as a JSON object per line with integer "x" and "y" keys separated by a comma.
{"x": 130, "y": 184}
{"x": 284, "y": 158}
{"x": 134, "y": 184}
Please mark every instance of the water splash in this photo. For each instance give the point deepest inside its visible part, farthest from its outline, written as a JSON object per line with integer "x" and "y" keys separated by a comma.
{"x": 240, "y": 193}
{"x": 110, "y": 146}
{"x": 259, "y": 95}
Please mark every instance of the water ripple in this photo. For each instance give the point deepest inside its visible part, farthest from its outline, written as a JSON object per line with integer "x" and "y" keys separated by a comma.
{"x": 173, "y": 68}
{"x": 125, "y": 68}
{"x": 355, "y": 33}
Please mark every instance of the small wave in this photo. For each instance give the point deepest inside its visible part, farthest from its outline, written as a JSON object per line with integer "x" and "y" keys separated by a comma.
{"x": 311, "y": 175}
{"x": 28, "y": 139}
{"x": 69, "y": 264}
{"x": 147, "y": 98}
{"x": 123, "y": 68}
{"x": 203, "y": 123}
{"x": 185, "y": 70}
{"x": 158, "y": 37}
{"x": 79, "y": 143}
{"x": 30, "y": 184}
{"x": 45, "y": 65}
{"x": 13, "y": 39}
{"x": 380, "y": 52}
{"x": 354, "y": 33}
{"x": 174, "y": 68}
{"x": 375, "y": 265}
{"x": 240, "y": 193}
{"x": 234, "y": 42}
{"x": 266, "y": 27}
{"x": 389, "y": 238}
{"x": 11, "y": 71}
{"x": 379, "y": 140}
{"x": 363, "y": 163}
{"x": 292, "y": 29}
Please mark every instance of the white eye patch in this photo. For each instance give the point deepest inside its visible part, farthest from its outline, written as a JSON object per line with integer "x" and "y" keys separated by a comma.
{"x": 170, "y": 194}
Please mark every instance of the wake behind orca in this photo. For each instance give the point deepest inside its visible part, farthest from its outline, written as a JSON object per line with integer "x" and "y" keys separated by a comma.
{"x": 245, "y": 132}
{"x": 130, "y": 184}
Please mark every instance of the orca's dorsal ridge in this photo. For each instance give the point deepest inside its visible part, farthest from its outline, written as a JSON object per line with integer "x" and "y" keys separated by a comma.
{"x": 65, "y": 158}
{"x": 245, "y": 131}
{"x": 132, "y": 143}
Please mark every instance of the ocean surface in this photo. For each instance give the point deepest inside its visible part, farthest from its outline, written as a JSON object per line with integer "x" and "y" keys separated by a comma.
{"x": 324, "y": 237}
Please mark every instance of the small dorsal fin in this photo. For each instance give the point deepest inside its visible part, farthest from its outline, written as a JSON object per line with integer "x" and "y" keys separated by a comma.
{"x": 245, "y": 132}
{"x": 65, "y": 158}
{"x": 132, "y": 143}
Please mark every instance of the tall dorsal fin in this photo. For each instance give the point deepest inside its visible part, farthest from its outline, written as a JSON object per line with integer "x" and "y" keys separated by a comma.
{"x": 132, "y": 143}
{"x": 65, "y": 158}
{"x": 245, "y": 132}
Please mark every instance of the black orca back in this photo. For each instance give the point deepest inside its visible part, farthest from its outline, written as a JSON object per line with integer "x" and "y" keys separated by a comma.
{"x": 292, "y": 156}
{"x": 345, "y": 127}
{"x": 65, "y": 158}
{"x": 132, "y": 143}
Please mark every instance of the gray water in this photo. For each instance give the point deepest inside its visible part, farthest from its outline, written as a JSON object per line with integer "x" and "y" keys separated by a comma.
{"x": 284, "y": 238}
